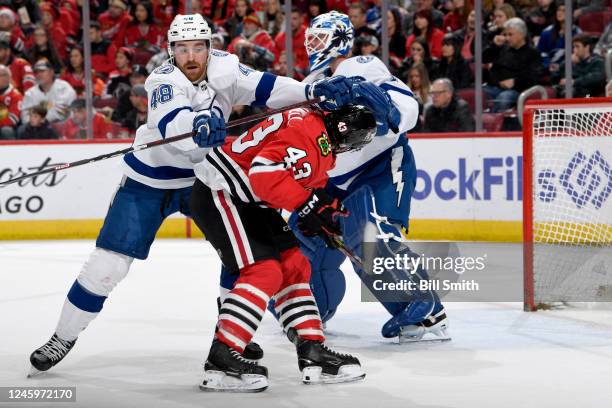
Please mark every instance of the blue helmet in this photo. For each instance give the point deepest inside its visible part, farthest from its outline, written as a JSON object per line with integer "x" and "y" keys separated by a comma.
{"x": 329, "y": 35}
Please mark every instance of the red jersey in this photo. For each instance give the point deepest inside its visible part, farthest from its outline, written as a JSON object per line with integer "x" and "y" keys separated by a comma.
{"x": 275, "y": 162}
{"x": 113, "y": 29}
{"x": 21, "y": 74}
{"x": 261, "y": 38}
{"x": 299, "y": 49}
{"x": 102, "y": 128}
{"x": 10, "y": 107}
{"x": 134, "y": 37}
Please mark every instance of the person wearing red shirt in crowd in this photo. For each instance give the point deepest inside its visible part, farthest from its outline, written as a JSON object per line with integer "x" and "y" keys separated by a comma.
{"x": 74, "y": 74}
{"x": 456, "y": 19}
{"x": 300, "y": 57}
{"x": 75, "y": 126}
{"x": 163, "y": 12}
{"x": 339, "y": 5}
{"x": 51, "y": 22}
{"x": 11, "y": 30}
{"x": 21, "y": 70}
{"x": 114, "y": 21}
{"x": 254, "y": 46}
{"x": 10, "y": 105}
{"x": 120, "y": 75}
{"x": 142, "y": 31}
{"x": 281, "y": 68}
{"x": 70, "y": 17}
{"x": 423, "y": 27}
{"x": 102, "y": 51}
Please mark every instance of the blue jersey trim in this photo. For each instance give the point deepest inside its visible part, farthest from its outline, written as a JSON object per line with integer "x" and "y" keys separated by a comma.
{"x": 388, "y": 87}
{"x": 264, "y": 89}
{"x": 168, "y": 118}
{"x": 158, "y": 173}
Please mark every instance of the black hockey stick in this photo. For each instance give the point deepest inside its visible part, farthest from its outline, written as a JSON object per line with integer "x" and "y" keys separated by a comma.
{"x": 349, "y": 254}
{"x": 233, "y": 123}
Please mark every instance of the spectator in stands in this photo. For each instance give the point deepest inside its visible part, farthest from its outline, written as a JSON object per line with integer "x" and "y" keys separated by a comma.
{"x": 43, "y": 47}
{"x": 437, "y": 17}
{"x": 588, "y": 72}
{"x": 457, "y": 17}
{"x": 10, "y": 105}
{"x": 37, "y": 126}
{"x": 11, "y": 31}
{"x": 102, "y": 51}
{"x": 448, "y": 112}
{"x": 29, "y": 14}
{"x": 233, "y": 25}
{"x": 298, "y": 30}
{"x": 165, "y": 10}
{"x": 552, "y": 41}
{"x": 315, "y": 8}
{"x": 137, "y": 115}
{"x": 55, "y": 32}
{"x": 74, "y": 74}
{"x": 541, "y": 17}
{"x": 76, "y": 125}
{"x": 423, "y": 28}
{"x": 418, "y": 81}
{"x": 218, "y": 42}
{"x": 419, "y": 52}
{"x": 366, "y": 45}
{"x": 397, "y": 39}
{"x": 254, "y": 46}
{"x": 120, "y": 76}
{"x": 57, "y": 94}
{"x": 495, "y": 29}
{"x": 142, "y": 32}
{"x": 516, "y": 65}
{"x": 452, "y": 65}
{"x": 114, "y": 22}
{"x": 281, "y": 68}
{"x": 70, "y": 15}
{"x": 357, "y": 15}
{"x": 466, "y": 37}
{"x": 21, "y": 70}
{"x": 137, "y": 77}
{"x": 273, "y": 17}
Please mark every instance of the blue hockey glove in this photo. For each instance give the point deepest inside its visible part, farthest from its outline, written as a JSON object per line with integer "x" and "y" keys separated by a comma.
{"x": 336, "y": 90}
{"x": 378, "y": 101}
{"x": 209, "y": 129}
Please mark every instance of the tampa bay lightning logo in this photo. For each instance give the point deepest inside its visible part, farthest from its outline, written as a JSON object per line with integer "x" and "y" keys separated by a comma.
{"x": 164, "y": 69}
{"x": 244, "y": 69}
{"x": 218, "y": 53}
{"x": 364, "y": 59}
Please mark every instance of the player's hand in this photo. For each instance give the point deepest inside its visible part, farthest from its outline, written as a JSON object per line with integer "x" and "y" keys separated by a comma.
{"x": 378, "y": 101}
{"x": 336, "y": 90}
{"x": 209, "y": 129}
{"x": 317, "y": 216}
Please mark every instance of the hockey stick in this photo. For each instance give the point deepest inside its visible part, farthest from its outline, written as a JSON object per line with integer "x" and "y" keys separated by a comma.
{"x": 349, "y": 254}
{"x": 131, "y": 149}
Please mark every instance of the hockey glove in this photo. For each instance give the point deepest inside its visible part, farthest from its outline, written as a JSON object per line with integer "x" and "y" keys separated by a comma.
{"x": 209, "y": 129}
{"x": 316, "y": 216}
{"x": 378, "y": 101}
{"x": 336, "y": 90}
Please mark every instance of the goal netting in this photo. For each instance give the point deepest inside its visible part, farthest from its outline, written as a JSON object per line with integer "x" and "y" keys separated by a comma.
{"x": 567, "y": 150}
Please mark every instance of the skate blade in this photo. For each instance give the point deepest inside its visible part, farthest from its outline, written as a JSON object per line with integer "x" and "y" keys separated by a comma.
{"x": 217, "y": 381}
{"x": 422, "y": 335}
{"x": 34, "y": 372}
{"x": 347, "y": 373}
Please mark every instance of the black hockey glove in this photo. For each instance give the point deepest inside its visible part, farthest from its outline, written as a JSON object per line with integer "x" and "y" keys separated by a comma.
{"x": 317, "y": 217}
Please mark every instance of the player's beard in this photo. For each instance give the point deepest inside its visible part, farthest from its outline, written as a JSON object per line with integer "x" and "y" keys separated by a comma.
{"x": 193, "y": 71}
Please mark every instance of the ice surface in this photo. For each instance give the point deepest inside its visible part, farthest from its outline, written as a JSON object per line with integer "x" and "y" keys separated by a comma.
{"x": 147, "y": 347}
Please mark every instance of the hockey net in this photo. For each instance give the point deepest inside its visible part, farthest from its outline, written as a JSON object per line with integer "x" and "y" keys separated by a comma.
{"x": 567, "y": 205}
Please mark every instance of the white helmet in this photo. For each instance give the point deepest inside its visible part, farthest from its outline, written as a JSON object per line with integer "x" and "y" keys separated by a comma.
{"x": 188, "y": 28}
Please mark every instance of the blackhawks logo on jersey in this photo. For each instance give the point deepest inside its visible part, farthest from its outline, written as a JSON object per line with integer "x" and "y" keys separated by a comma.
{"x": 323, "y": 143}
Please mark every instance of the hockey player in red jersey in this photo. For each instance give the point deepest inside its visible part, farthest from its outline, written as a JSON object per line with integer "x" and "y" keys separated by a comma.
{"x": 281, "y": 163}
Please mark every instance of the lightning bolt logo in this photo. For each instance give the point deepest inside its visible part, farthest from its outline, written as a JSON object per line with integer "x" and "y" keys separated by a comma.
{"x": 396, "y": 171}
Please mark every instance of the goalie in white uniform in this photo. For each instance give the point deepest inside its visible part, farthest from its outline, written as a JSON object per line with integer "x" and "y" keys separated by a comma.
{"x": 194, "y": 91}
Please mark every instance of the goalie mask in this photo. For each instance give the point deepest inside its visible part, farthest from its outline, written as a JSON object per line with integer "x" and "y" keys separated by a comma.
{"x": 329, "y": 36}
{"x": 350, "y": 128}
{"x": 190, "y": 27}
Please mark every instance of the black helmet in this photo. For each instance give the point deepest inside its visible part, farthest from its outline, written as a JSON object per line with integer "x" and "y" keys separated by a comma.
{"x": 350, "y": 127}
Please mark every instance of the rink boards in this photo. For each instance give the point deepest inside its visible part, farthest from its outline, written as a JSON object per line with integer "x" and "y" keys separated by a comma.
{"x": 468, "y": 188}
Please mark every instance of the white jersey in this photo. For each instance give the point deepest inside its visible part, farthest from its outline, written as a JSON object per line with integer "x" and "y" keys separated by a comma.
{"x": 174, "y": 102}
{"x": 350, "y": 164}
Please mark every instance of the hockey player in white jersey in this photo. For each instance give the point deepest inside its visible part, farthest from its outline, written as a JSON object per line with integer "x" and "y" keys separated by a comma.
{"x": 193, "y": 92}
{"x": 382, "y": 175}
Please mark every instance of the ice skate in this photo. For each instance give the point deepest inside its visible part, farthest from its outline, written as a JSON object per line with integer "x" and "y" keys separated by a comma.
{"x": 51, "y": 353}
{"x": 433, "y": 328}
{"x": 321, "y": 365}
{"x": 226, "y": 370}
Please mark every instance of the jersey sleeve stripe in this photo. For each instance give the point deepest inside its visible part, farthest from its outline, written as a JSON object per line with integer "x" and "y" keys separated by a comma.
{"x": 159, "y": 173}
{"x": 168, "y": 118}
{"x": 264, "y": 89}
{"x": 389, "y": 87}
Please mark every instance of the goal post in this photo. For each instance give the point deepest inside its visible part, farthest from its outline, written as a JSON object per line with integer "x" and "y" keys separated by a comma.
{"x": 567, "y": 201}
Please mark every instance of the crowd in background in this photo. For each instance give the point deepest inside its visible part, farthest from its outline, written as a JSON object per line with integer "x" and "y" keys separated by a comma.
{"x": 42, "y": 75}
